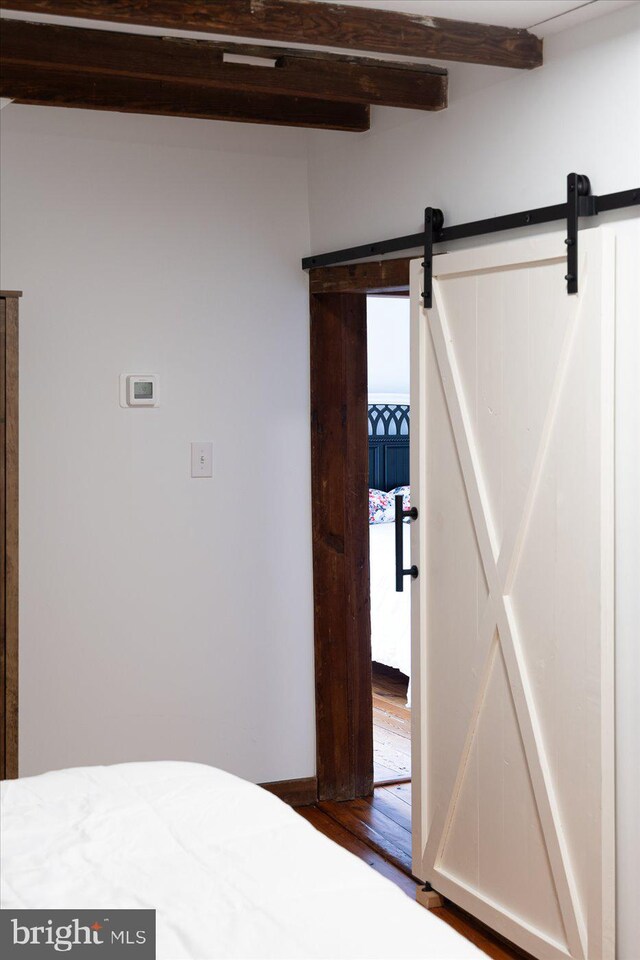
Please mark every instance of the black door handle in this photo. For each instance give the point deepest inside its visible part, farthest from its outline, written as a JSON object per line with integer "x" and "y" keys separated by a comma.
{"x": 401, "y": 572}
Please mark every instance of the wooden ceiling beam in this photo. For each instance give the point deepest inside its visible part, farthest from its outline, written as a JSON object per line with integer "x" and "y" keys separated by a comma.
{"x": 91, "y": 91}
{"x": 311, "y": 22}
{"x": 325, "y": 77}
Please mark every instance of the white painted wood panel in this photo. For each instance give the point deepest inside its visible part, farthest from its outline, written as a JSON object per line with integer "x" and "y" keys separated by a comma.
{"x": 512, "y": 473}
{"x": 627, "y": 238}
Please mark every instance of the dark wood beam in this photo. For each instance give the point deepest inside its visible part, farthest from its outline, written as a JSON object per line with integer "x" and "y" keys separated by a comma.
{"x": 26, "y": 84}
{"x": 322, "y": 24}
{"x": 365, "y": 82}
{"x": 339, "y": 483}
{"x": 324, "y": 77}
{"x": 375, "y": 276}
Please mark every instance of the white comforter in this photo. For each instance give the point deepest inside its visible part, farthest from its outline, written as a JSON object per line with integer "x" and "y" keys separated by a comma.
{"x": 390, "y": 611}
{"x": 230, "y": 869}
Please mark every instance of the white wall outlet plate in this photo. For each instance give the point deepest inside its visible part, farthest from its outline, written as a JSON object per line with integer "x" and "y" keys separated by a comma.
{"x": 139, "y": 390}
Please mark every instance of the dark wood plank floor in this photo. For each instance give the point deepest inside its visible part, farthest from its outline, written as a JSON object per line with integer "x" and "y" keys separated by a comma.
{"x": 377, "y": 829}
{"x": 391, "y": 726}
{"x": 336, "y": 831}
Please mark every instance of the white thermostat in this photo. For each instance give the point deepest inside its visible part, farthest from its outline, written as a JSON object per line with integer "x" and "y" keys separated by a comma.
{"x": 138, "y": 390}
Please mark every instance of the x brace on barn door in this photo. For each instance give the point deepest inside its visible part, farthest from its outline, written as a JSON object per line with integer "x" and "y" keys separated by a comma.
{"x": 580, "y": 203}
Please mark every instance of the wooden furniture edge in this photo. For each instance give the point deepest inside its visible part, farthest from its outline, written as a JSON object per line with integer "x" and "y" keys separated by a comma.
{"x": 9, "y": 334}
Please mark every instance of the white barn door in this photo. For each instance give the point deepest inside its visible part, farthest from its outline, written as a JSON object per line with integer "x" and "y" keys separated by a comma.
{"x": 512, "y": 474}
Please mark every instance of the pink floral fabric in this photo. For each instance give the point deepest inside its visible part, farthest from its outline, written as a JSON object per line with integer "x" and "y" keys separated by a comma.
{"x": 381, "y": 507}
{"x": 382, "y": 504}
{"x": 406, "y": 496}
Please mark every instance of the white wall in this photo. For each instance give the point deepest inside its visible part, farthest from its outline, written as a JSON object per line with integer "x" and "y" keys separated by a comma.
{"x": 508, "y": 147}
{"x": 161, "y": 617}
{"x": 505, "y": 148}
{"x": 388, "y": 356}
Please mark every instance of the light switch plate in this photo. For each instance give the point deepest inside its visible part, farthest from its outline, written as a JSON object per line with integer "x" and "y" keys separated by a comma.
{"x": 201, "y": 459}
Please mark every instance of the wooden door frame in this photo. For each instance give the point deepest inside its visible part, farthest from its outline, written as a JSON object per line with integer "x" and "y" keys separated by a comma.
{"x": 9, "y": 545}
{"x": 339, "y": 476}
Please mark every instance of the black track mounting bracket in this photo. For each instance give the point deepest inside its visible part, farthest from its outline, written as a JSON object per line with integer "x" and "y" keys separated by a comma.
{"x": 580, "y": 203}
{"x": 433, "y": 224}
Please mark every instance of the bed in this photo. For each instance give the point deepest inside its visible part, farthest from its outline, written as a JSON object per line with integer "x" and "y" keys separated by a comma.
{"x": 230, "y": 869}
{"x": 388, "y": 472}
{"x": 390, "y": 611}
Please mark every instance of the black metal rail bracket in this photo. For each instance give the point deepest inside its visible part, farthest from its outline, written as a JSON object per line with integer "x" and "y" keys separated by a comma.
{"x": 580, "y": 203}
{"x": 433, "y": 224}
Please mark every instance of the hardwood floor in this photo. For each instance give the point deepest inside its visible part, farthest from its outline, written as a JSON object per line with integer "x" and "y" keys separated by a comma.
{"x": 391, "y": 726}
{"x": 382, "y": 821}
{"x": 331, "y": 828}
{"x": 377, "y": 829}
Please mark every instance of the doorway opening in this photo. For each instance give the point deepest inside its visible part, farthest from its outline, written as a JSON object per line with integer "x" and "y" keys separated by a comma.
{"x": 388, "y": 426}
{"x": 340, "y": 473}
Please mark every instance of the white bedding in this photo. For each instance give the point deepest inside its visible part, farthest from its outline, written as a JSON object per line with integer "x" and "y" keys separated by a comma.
{"x": 230, "y": 869}
{"x": 390, "y": 611}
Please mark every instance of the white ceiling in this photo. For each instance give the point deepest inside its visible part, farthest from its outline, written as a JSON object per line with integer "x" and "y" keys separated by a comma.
{"x": 546, "y": 16}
